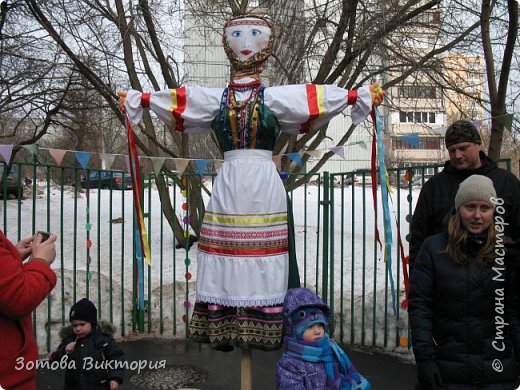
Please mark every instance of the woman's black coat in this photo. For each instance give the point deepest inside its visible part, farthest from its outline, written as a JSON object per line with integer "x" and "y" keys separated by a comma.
{"x": 463, "y": 316}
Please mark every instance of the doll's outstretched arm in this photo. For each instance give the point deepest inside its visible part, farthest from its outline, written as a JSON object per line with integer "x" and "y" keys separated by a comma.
{"x": 189, "y": 110}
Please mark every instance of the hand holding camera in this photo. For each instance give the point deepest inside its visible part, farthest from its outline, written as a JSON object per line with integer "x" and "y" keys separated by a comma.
{"x": 44, "y": 235}
{"x": 43, "y": 247}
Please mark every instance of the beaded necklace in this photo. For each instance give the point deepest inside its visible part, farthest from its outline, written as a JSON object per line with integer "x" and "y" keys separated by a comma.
{"x": 243, "y": 116}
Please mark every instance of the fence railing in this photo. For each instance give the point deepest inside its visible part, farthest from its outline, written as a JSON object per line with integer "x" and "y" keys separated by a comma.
{"x": 338, "y": 255}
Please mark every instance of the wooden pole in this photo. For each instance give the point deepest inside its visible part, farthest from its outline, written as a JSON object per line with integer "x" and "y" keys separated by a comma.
{"x": 246, "y": 382}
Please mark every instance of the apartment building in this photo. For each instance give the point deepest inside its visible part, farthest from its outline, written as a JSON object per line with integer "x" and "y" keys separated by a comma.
{"x": 465, "y": 75}
{"x": 416, "y": 112}
{"x": 421, "y": 109}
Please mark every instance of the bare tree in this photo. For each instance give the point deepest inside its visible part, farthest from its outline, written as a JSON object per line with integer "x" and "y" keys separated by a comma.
{"x": 116, "y": 44}
{"x": 498, "y": 90}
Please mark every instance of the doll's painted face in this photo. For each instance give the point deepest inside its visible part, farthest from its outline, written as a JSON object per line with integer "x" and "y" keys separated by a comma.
{"x": 247, "y": 37}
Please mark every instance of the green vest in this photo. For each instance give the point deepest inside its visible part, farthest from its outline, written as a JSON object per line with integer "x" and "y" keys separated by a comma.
{"x": 267, "y": 129}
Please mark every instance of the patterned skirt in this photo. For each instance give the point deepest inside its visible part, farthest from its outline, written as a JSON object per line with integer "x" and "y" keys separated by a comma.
{"x": 242, "y": 259}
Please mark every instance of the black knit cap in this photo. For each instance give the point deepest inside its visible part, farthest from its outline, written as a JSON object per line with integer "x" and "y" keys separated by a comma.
{"x": 83, "y": 310}
{"x": 461, "y": 131}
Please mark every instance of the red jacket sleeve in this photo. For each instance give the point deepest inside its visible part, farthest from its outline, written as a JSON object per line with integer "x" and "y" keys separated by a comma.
{"x": 23, "y": 286}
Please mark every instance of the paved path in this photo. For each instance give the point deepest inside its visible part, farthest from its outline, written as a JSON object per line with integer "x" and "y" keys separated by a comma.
{"x": 198, "y": 366}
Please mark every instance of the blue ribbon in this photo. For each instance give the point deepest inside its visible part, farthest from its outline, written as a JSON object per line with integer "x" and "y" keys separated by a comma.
{"x": 383, "y": 174}
{"x": 140, "y": 265}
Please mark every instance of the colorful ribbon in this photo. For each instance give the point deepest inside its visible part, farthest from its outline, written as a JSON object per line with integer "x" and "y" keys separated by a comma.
{"x": 142, "y": 248}
{"x": 383, "y": 175}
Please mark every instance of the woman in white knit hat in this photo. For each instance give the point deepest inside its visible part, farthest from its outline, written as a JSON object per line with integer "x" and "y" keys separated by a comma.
{"x": 462, "y": 307}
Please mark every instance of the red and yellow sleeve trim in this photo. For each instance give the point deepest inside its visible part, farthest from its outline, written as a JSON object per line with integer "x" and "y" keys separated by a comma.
{"x": 315, "y": 104}
{"x": 178, "y": 96}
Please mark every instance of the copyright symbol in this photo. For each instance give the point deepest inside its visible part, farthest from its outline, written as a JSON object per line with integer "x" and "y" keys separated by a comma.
{"x": 497, "y": 365}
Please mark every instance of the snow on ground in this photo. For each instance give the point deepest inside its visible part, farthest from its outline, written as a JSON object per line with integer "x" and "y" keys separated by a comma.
{"x": 104, "y": 271}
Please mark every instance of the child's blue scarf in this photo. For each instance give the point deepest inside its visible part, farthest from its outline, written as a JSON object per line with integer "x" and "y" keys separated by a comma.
{"x": 343, "y": 374}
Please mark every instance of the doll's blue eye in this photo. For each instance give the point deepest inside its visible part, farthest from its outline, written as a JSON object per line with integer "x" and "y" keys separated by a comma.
{"x": 236, "y": 34}
{"x": 255, "y": 33}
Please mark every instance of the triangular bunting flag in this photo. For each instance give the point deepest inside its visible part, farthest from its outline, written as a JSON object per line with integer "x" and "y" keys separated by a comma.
{"x": 180, "y": 165}
{"x": 107, "y": 160}
{"x": 57, "y": 155}
{"x": 476, "y": 124}
{"x": 127, "y": 164}
{"x": 157, "y": 164}
{"x": 218, "y": 165}
{"x": 6, "y": 151}
{"x": 201, "y": 166}
{"x": 33, "y": 148}
{"x": 412, "y": 139}
{"x": 296, "y": 158}
{"x": 339, "y": 150}
{"x": 145, "y": 167}
{"x": 506, "y": 120}
{"x": 83, "y": 158}
{"x": 278, "y": 162}
{"x": 313, "y": 153}
{"x": 360, "y": 143}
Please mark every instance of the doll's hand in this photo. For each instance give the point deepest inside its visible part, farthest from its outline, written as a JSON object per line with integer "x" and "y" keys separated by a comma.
{"x": 121, "y": 101}
{"x": 377, "y": 94}
{"x": 114, "y": 385}
{"x": 70, "y": 347}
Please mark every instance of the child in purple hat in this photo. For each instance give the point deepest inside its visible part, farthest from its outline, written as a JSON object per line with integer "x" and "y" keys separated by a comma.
{"x": 312, "y": 360}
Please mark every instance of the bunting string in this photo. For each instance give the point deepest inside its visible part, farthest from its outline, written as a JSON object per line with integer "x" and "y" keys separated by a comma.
{"x": 84, "y": 157}
{"x": 157, "y": 163}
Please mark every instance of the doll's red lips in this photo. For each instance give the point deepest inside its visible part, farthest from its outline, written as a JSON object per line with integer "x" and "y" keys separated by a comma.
{"x": 246, "y": 52}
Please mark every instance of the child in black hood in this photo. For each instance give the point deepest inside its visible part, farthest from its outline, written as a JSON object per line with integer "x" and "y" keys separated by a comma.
{"x": 94, "y": 360}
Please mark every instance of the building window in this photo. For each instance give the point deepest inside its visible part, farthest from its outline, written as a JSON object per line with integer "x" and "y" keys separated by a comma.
{"x": 417, "y": 92}
{"x": 416, "y": 117}
{"x": 430, "y": 143}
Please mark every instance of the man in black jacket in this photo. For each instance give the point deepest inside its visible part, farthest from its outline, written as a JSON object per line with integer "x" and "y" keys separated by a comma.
{"x": 437, "y": 195}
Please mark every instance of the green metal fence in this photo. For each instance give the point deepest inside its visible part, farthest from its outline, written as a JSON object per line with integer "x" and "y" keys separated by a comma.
{"x": 337, "y": 252}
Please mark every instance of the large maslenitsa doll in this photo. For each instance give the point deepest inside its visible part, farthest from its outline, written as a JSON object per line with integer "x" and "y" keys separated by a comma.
{"x": 242, "y": 260}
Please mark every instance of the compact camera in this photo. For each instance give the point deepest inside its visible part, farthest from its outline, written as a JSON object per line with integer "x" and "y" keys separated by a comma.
{"x": 45, "y": 235}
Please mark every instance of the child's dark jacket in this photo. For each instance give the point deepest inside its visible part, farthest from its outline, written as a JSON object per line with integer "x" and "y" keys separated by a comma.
{"x": 97, "y": 359}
